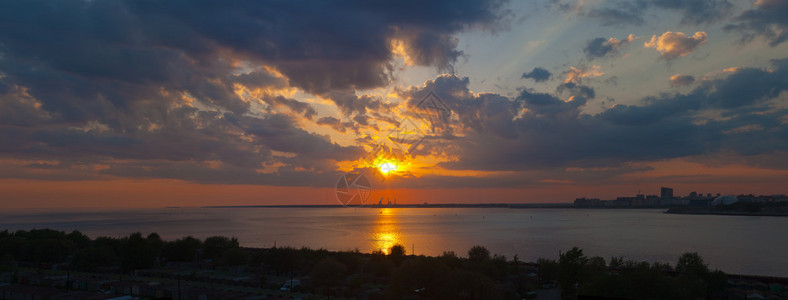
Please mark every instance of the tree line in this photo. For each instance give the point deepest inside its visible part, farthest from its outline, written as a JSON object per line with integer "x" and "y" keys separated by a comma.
{"x": 479, "y": 275}
{"x": 133, "y": 252}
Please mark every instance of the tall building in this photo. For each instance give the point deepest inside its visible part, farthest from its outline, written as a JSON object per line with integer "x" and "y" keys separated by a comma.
{"x": 666, "y": 195}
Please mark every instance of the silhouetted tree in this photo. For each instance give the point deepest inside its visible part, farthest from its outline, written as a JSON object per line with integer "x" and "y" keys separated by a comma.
{"x": 379, "y": 266}
{"x": 47, "y": 250}
{"x": 717, "y": 283}
{"x": 283, "y": 260}
{"x": 547, "y": 270}
{"x": 183, "y": 250}
{"x": 328, "y": 272}
{"x": 80, "y": 240}
{"x": 697, "y": 278}
{"x": 422, "y": 277}
{"x": 137, "y": 253}
{"x": 570, "y": 268}
{"x": 478, "y": 253}
{"x": 94, "y": 257}
{"x": 692, "y": 264}
{"x": 450, "y": 259}
{"x": 214, "y": 246}
{"x": 616, "y": 263}
{"x": 155, "y": 243}
{"x": 473, "y": 285}
{"x": 235, "y": 257}
{"x": 351, "y": 259}
{"x": 397, "y": 254}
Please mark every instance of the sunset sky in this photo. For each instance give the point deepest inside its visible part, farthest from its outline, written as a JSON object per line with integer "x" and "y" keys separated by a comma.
{"x": 111, "y": 103}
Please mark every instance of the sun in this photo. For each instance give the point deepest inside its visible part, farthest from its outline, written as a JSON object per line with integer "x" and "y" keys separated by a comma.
{"x": 387, "y": 167}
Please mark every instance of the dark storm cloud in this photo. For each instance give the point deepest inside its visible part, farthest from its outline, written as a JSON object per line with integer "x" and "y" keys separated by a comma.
{"x": 224, "y": 146}
{"x": 543, "y": 131}
{"x": 749, "y": 86}
{"x": 601, "y": 47}
{"x": 294, "y": 105}
{"x": 547, "y": 105}
{"x": 483, "y": 112}
{"x": 697, "y": 11}
{"x": 19, "y": 109}
{"x": 538, "y": 74}
{"x": 181, "y": 135}
{"x": 202, "y": 173}
{"x": 337, "y": 124}
{"x": 362, "y": 120}
{"x": 279, "y": 132}
{"x": 623, "y": 13}
{"x": 260, "y": 79}
{"x": 126, "y": 83}
{"x": 598, "y": 47}
{"x": 694, "y": 12}
{"x": 318, "y": 45}
{"x": 348, "y": 102}
{"x": 321, "y": 46}
{"x": 579, "y": 93}
{"x": 768, "y": 20}
{"x": 431, "y": 49}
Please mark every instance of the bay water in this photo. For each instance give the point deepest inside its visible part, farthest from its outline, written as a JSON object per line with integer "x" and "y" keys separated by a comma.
{"x": 734, "y": 244}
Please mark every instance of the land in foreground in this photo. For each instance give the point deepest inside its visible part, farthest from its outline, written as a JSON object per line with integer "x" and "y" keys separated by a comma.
{"x": 51, "y": 264}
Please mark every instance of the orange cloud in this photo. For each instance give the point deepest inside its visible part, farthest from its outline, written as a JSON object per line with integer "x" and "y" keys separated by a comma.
{"x": 576, "y": 74}
{"x": 681, "y": 80}
{"x": 672, "y": 45}
{"x": 616, "y": 42}
{"x": 767, "y": 3}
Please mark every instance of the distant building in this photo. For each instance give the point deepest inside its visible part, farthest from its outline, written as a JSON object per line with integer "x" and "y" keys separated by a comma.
{"x": 666, "y": 195}
{"x": 639, "y": 200}
{"x": 724, "y": 200}
{"x": 623, "y": 201}
{"x": 700, "y": 202}
{"x": 586, "y": 202}
{"x": 652, "y": 200}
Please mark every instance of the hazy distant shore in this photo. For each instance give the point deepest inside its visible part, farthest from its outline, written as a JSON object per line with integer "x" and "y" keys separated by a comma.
{"x": 710, "y": 211}
{"x": 476, "y": 205}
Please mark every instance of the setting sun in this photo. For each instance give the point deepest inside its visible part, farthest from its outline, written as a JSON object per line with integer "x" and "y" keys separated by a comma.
{"x": 387, "y": 167}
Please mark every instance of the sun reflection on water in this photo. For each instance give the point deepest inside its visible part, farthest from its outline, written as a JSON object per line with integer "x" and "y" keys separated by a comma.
{"x": 386, "y": 232}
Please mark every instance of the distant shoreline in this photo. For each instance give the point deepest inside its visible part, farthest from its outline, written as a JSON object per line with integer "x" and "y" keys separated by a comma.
{"x": 477, "y": 205}
{"x": 706, "y": 211}
{"x": 450, "y": 205}
{"x": 668, "y": 210}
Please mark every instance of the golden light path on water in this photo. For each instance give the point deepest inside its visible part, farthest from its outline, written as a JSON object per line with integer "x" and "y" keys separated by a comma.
{"x": 386, "y": 232}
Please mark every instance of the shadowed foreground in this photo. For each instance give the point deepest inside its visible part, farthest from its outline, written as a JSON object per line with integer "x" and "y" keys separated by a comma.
{"x": 50, "y": 264}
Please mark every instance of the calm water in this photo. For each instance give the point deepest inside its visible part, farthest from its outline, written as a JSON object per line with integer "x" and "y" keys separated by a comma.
{"x": 735, "y": 244}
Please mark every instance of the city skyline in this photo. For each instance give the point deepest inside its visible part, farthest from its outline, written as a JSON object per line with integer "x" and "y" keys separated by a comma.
{"x": 182, "y": 103}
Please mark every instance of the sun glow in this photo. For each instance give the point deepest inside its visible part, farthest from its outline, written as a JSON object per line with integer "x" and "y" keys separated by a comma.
{"x": 389, "y": 164}
{"x": 387, "y": 167}
{"x": 386, "y": 233}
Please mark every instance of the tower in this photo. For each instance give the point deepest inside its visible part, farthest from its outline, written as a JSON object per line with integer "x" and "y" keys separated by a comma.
{"x": 666, "y": 196}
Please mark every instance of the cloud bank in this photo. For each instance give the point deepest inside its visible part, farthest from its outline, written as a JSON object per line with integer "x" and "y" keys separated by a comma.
{"x": 769, "y": 19}
{"x": 204, "y": 91}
